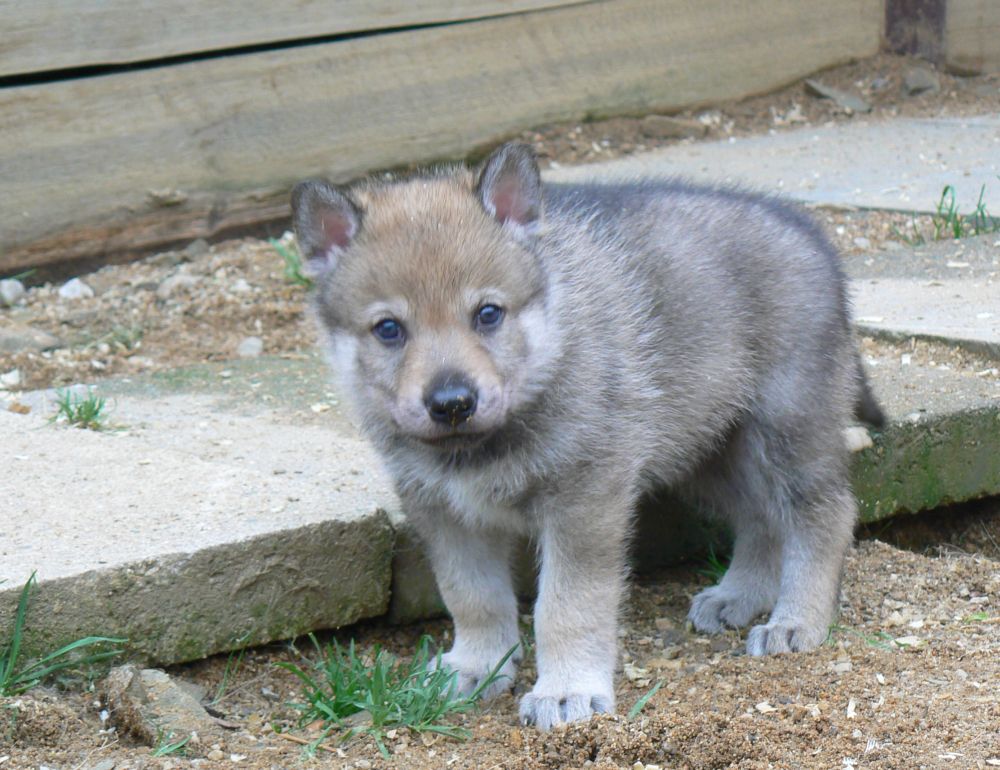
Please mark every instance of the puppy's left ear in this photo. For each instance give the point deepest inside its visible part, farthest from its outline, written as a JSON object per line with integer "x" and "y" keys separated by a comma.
{"x": 325, "y": 220}
{"x": 510, "y": 189}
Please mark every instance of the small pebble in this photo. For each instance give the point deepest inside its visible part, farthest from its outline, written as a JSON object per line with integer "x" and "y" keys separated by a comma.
{"x": 251, "y": 347}
{"x": 917, "y": 80}
{"x": 75, "y": 289}
{"x": 11, "y": 292}
{"x": 196, "y": 248}
{"x": 10, "y": 379}
{"x": 175, "y": 283}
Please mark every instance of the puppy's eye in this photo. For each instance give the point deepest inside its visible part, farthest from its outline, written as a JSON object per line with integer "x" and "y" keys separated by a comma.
{"x": 489, "y": 316}
{"x": 388, "y": 330}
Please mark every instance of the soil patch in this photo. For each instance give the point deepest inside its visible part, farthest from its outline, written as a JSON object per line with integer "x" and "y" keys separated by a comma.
{"x": 907, "y": 679}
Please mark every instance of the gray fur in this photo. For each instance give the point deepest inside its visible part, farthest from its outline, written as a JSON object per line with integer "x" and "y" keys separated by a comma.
{"x": 655, "y": 333}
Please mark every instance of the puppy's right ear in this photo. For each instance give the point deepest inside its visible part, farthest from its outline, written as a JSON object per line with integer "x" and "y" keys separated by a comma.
{"x": 325, "y": 222}
{"x": 510, "y": 189}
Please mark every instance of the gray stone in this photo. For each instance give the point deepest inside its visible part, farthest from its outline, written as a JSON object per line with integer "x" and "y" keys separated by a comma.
{"x": 175, "y": 283}
{"x": 251, "y": 347}
{"x": 11, "y": 292}
{"x": 17, "y": 338}
{"x": 849, "y": 101}
{"x": 197, "y": 248}
{"x": 74, "y": 288}
{"x": 240, "y": 286}
{"x": 917, "y": 80}
{"x": 151, "y": 707}
{"x": 667, "y": 127}
{"x": 11, "y": 379}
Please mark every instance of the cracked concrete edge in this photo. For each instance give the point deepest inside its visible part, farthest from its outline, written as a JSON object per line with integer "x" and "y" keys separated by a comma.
{"x": 187, "y": 606}
{"x": 916, "y": 466}
{"x": 976, "y": 347}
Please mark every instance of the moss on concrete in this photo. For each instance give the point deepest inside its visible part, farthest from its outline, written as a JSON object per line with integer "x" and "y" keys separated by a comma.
{"x": 937, "y": 460}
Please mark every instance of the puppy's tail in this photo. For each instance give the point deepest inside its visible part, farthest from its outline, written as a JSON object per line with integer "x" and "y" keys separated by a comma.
{"x": 866, "y": 408}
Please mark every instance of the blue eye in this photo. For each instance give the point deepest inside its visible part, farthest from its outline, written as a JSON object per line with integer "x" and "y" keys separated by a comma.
{"x": 489, "y": 316}
{"x": 388, "y": 330}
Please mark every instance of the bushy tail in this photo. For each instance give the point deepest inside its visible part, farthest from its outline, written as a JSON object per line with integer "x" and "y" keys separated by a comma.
{"x": 866, "y": 408}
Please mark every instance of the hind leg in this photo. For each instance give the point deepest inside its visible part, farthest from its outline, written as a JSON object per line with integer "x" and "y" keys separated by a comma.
{"x": 737, "y": 484}
{"x": 815, "y": 541}
{"x": 750, "y": 586}
{"x": 787, "y": 495}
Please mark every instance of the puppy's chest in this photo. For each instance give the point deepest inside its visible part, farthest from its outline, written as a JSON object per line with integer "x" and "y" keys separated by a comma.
{"x": 480, "y": 501}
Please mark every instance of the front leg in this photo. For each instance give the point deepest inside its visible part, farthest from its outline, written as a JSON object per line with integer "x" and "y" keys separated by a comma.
{"x": 581, "y": 582}
{"x": 472, "y": 568}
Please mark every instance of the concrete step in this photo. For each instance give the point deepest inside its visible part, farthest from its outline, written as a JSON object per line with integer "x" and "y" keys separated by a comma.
{"x": 901, "y": 164}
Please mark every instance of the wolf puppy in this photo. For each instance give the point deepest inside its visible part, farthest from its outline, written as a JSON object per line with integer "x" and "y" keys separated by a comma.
{"x": 528, "y": 360}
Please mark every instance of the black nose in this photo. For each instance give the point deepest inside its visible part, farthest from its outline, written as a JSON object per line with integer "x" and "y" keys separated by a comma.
{"x": 451, "y": 399}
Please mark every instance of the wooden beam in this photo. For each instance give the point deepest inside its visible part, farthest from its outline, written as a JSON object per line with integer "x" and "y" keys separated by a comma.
{"x": 44, "y": 35}
{"x": 215, "y": 135}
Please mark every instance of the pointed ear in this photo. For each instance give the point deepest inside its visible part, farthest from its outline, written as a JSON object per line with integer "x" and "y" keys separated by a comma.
{"x": 325, "y": 222}
{"x": 510, "y": 188}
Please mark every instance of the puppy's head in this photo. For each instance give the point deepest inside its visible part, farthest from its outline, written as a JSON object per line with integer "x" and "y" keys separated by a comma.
{"x": 430, "y": 295}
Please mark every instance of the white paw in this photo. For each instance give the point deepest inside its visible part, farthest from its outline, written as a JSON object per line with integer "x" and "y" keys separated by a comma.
{"x": 547, "y": 706}
{"x": 788, "y": 635}
{"x": 471, "y": 670}
{"x": 716, "y": 609}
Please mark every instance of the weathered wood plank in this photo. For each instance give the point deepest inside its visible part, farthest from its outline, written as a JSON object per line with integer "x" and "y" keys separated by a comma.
{"x": 972, "y": 36}
{"x": 49, "y": 34}
{"x": 94, "y": 152}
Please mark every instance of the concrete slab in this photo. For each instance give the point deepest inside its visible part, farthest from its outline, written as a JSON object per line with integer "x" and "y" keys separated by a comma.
{"x": 947, "y": 291}
{"x": 902, "y": 164}
{"x": 211, "y": 512}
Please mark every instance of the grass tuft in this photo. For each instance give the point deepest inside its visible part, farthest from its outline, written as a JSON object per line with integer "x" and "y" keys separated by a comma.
{"x": 355, "y": 697}
{"x": 947, "y": 223}
{"x": 16, "y": 678}
{"x": 715, "y": 566}
{"x": 233, "y": 664}
{"x": 121, "y": 338}
{"x": 290, "y": 255}
{"x": 880, "y": 639}
{"x": 82, "y": 412}
{"x": 641, "y": 703}
{"x": 164, "y": 747}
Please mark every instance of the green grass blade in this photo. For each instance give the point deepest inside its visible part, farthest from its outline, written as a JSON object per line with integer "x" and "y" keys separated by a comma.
{"x": 13, "y": 648}
{"x": 641, "y": 703}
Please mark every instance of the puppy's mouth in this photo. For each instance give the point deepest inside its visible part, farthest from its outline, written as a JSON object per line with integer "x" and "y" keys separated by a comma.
{"x": 453, "y": 441}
